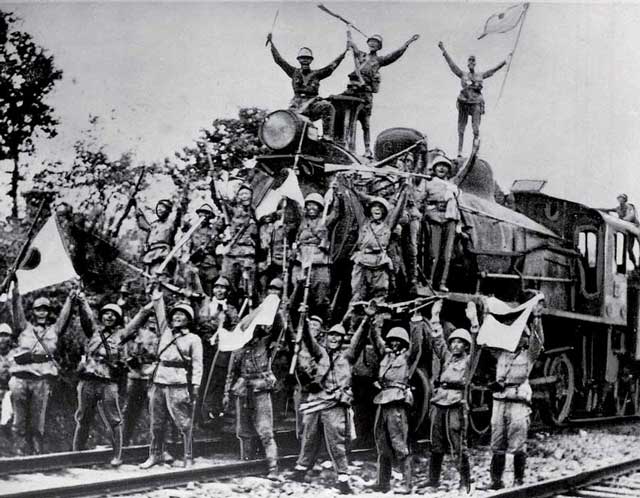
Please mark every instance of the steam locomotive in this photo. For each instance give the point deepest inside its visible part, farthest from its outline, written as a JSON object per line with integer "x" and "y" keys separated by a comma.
{"x": 576, "y": 255}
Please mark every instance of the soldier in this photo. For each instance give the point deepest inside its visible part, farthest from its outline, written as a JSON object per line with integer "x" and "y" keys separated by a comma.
{"x": 239, "y": 253}
{"x": 372, "y": 264}
{"x": 275, "y": 234}
{"x": 441, "y": 214}
{"x": 470, "y": 101}
{"x": 33, "y": 368}
{"x": 306, "y": 85}
{"x": 98, "y": 372}
{"x": 312, "y": 247}
{"x": 160, "y": 233}
{"x": 368, "y": 73}
{"x": 399, "y": 355}
{"x": 512, "y": 402}
{"x": 202, "y": 254}
{"x": 6, "y": 339}
{"x": 327, "y": 409}
{"x": 175, "y": 378}
{"x": 627, "y": 212}
{"x": 447, "y": 411}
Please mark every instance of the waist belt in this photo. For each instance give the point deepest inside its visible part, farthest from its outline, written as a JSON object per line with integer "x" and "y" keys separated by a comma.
{"x": 174, "y": 364}
{"x": 373, "y": 251}
{"x": 454, "y": 386}
{"x": 250, "y": 376}
{"x": 40, "y": 358}
{"x": 439, "y": 205}
{"x": 31, "y": 376}
{"x": 390, "y": 385}
{"x": 305, "y": 94}
{"x": 513, "y": 400}
{"x": 94, "y": 378}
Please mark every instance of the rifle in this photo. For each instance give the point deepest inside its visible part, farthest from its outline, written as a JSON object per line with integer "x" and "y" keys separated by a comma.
{"x": 339, "y": 17}
{"x": 301, "y": 322}
{"x": 383, "y": 171}
{"x": 214, "y": 193}
{"x": 130, "y": 203}
{"x": 185, "y": 238}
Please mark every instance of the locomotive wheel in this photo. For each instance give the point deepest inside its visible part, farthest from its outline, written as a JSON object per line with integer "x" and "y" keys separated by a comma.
{"x": 627, "y": 397}
{"x": 562, "y": 391}
{"x": 421, "y": 388}
{"x": 480, "y": 406}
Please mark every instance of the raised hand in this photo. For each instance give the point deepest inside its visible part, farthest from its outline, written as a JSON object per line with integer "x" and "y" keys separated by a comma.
{"x": 472, "y": 313}
{"x": 436, "y": 309}
{"x": 269, "y": 38}
{"x": 441, "y": 46}
{"x": 413, "y": 39}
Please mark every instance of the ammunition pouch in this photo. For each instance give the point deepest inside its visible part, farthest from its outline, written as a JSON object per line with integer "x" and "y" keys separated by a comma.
{"x": 23, "y": 358}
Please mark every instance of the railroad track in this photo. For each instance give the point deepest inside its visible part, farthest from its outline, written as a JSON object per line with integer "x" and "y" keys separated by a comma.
{"x": 620, "y": 480}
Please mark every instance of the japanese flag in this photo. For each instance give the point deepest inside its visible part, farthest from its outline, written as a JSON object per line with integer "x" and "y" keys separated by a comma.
{"x": 290, "y": 189}
{"x": 264, "y": 314}
{"x": 505, "y": 21}
{"x": 47, "y": 261}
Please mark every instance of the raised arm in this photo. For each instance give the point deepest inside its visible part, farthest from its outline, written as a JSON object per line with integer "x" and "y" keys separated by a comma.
{"x": 416, "y": 332}
{"x": 87, "y": 317}
{"x": 452, "y": 65}
{"x": 160, "y": 309}
{"x": 286, "y": 67}
{"x": 65, "y": 314}
{"x": 327, "y": 71}
{"x": 438, "y": 344}
{"x": 313, "y": 346}
{"x": 536, "y": 342}
{"x": 491, "y": 72}
{"x": 142, "y": 221}
{"x": 357, "y": 343}
{"x": 19, "y": 318}
{"x": 391, "y": 57}
{"x": 137, "y": 321}
{"x": 395, "y": 214}
{"x": 375, "y": 336}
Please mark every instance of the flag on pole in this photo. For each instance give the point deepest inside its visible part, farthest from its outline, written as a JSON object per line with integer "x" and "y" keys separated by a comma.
{"x": 290, "y": 188}
{"x": 47, "y": 261}
{"x": 504, "y": 21}
{"x": 243, "y": 333}
{"x": 503, "y": 325}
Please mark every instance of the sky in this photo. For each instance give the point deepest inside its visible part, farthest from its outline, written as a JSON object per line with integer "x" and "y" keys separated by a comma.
{"x": 159, "y": 72}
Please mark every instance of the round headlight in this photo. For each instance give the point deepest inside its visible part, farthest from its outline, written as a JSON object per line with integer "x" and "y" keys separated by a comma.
{"x": 279, "y": 129}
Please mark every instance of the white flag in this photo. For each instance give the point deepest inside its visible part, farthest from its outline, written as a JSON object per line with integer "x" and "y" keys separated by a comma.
{"x": 47, "y": 261}
{"x": 243, "y": 333}
{"x": 503, "y": 326}
{"x": 290, "y": 188}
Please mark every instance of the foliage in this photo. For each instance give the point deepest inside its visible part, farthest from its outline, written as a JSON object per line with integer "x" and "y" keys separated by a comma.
{"x": 27, "y": 76}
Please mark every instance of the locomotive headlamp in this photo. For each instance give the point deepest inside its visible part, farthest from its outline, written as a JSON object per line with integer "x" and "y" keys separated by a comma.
{"x": 282, "y": 130}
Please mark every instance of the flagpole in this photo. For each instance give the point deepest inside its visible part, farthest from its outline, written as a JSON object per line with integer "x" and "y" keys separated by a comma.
{"x": 513, "y": 51}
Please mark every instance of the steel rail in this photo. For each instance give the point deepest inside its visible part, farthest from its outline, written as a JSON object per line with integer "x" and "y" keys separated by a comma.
{"x": 569, "y": 484}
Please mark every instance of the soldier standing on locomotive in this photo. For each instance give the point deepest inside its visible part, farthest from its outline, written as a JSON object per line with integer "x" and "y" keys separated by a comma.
{"x": 627, "y": 212}
{"x": 447, "y": 411}
{"x": 306, "y": 86}
{"x": 367, "y": 75}
{"x": 512, "y": 402}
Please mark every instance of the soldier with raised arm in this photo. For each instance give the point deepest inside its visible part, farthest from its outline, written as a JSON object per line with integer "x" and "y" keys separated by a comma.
{"x": 33, "y": 368}
{"x": 98, "y": 371}
{"x": 306, "y": 86}
{"x": 367, "y": 74}
{"x": 470, "y": 101}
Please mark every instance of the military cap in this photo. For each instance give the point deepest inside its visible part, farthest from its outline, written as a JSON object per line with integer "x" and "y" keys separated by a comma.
{"x": 205, "y": 210}
{"x": 337, "y": 329}
{"x": 623, "y": 197}
{"x": 316, "y": 318}
{"x": 276, "y": 283}
{"x": 185, "y": 308}
{"x": 305, "y": 52}
{"x": 5, "y": 329}
{"x": 314, "y": 197}
{"x": 461, "y": 334}
{"x": 377, "y": 38}
{"x": 380, "y": 202}
{"x": 113, "y": 308}
{"x": 398, "y": 333}
{"x": 222, "y": 282}
{"x": 41, "y": 302}
{"x": 165, "y": 202}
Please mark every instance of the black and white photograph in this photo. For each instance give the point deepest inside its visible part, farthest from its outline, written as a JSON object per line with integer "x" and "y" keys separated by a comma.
{"x": 256, "y": 248}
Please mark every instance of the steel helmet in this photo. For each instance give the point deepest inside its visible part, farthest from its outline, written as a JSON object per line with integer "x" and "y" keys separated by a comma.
{"x": 623, "y": 196}
{"x": 5, "y": 329}
{"x": 205, "y": 210}
{"x": 441, "y": 160}
{"x": 461, "y": 334}
{"x": 222, "y": 282}
{"x": 305, "y": 52}
{"x": 381, "y": 202}
{"x": 398, "y": 333}
{"x": 41, "y": 302}
{"x": 316, "y": 318}
{"x": 377, "y": 38}
{"x": 185, "y": 308}
{"x": 315, "y": 197}
{"x": 276, "y": 283}
{"x": 244, "y": 186}
{"x": 113, "y": 308}
{"x": 168, "y": 203}
{"x": 337, "y": 329}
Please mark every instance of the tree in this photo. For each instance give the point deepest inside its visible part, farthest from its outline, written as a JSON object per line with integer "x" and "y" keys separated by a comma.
{"x": 27, "y": 76}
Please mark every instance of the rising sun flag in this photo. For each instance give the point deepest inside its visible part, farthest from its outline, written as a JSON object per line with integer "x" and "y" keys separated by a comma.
{"x": 505, "y": 21}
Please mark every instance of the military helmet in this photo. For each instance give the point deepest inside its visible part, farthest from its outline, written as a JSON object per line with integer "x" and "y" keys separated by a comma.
{"x": 398, "y": 333}
{"x": 114, "y": 308}
{"x": 206, "y": 210}
{"x": 244, "y": 186}
{"x": 168, "y": 203}
{"x": 337, "y": 329}
{"x": 41, "y": 302}
{"x": 315, "y": 197}
{"x": 222, "y": 282}
{"x": 441, "y": 159}
{"x": 5, "y": 329}
{"x": 305, "y": 52}
{"x": 276, "y": 283}
{"x": 461, "y": 334}
{"x": 316, "y": 318}
{"x": 381, "y": 202}
{"x": 377, "y": 38}
{"x": 185, "y": 308}
{"x": 623, "y": 197}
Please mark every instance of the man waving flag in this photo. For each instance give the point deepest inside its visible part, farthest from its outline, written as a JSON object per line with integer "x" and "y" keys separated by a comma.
{"x": 505, "y": 21}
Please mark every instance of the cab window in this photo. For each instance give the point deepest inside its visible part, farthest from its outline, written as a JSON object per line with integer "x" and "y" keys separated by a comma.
{"x": 588, "y": 247}
{"x": 620, "y": 246}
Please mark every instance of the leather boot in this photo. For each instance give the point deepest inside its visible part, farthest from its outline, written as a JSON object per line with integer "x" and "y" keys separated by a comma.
{"x": 519, "y": 464}
{"x": 407, "y": 471}
{"x": 465, "y": 474}
{"x": 383, "y": 480}
{"x": 187, "y": 443}
{"x": 343, "y": 484}
{"x": 497, "y": 468}
{"x": 155, "y": 450}
{"x": 116, "y": 461}
{"x": 299, "y": 473}
{"x": 435, "y": 467}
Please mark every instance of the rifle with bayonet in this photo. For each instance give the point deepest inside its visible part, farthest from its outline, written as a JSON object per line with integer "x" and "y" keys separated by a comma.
{"x": 130, "y": 203}
{"x": 301, "y": 321}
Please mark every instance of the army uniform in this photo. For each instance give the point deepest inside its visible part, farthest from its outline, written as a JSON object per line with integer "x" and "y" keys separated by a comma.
{"x": 251, "y": 381}
{"x": 306, "y": 86}
{"x": 98, "y": 385}
{"x": 239, "y": 260}
{"x": 371, "y": 261}
{"x": 447, "y": 414}
{"x": 391, "y": 427}
{"x": 441, "y": 214}
{"x": 272, "y": 237}
{"x": 202, "y": 253}
{"x": 327, "y": 410}
{"x": 33, "y": 368}
{"x": 512, "y": 406}
{"x": 313, "y": 247}
{"x": 305, "y": 372}
{"x": 160, "y": 235}
{"x": 5, "y": 361}
{"x": 175, "y": 381}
